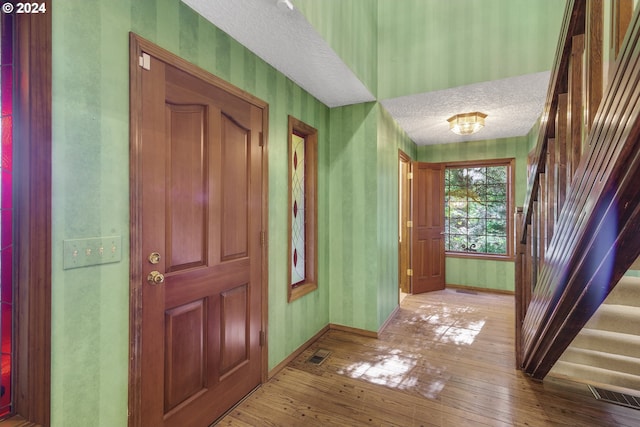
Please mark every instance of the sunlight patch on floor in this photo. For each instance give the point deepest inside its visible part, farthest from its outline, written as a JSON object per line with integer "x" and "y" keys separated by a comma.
{"x": 460, "y": 336}
{"x": 398, "y": 372}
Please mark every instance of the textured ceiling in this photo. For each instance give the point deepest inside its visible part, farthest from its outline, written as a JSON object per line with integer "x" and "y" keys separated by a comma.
{"x": 512, "y": 106}
{"x": 286, "y": 40}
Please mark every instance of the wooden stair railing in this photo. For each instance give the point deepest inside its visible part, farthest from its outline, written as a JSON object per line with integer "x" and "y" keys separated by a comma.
{"x": 579, "y": 229}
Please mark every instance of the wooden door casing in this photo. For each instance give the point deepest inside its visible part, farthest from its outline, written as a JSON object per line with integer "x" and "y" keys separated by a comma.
{"x": 404, "y": 238}
{"x": 427, "y": 246}
{"x": 197, "y": 338}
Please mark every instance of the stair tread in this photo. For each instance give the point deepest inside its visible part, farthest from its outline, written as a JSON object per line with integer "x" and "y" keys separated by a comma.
{"x": 616, "y": 318}
{"x": 602, "y": 359}
{"x": 595, "y": 375}
{"x": 608, "y": 341}
{"x": 622, "y": 309}
{"x": 626, "y": 292}
{"x": 607, "y": 349}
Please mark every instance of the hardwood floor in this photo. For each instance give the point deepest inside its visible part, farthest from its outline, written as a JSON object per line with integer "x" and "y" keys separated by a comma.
{"x": 446, "y": 359}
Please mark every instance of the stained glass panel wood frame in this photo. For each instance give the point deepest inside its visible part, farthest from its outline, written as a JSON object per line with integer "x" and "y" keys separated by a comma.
{"x": 302, "y": 209}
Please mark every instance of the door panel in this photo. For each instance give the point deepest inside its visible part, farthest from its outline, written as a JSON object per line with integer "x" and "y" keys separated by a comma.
{"x": 201, "y": 175}
{"x": 234, "y": 346}
{"x": 184, "y": 353}
{"x": 234, "y": 189}
{"x": 186, "y": 210}
{"x": 428, "y": 227}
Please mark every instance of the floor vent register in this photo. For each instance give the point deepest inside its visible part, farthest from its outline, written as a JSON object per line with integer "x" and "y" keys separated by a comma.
{"x": 623, "y": 399}
{"x": 319, "y": 357}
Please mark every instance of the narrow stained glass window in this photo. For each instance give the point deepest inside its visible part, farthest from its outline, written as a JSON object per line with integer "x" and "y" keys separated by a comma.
{"x": 303, "y": 212}
{"x": 297, "y": 210}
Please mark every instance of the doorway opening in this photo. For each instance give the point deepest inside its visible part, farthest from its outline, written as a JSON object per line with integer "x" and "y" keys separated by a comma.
{"x": 404, "y": 225}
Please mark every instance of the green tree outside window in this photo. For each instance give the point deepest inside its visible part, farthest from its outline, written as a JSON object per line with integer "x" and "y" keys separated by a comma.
{"x": 476, "y": 206}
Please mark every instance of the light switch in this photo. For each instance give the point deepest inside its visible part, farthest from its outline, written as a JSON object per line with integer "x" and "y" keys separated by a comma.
{"x": 92, "y": 251}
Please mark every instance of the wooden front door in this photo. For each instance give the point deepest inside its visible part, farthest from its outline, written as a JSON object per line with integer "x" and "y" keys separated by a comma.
{"x": 198, "y": 170}
{"x": 428, "y": 227}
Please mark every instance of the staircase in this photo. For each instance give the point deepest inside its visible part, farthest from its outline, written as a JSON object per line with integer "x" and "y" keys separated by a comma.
{"x": 606, "y": 352}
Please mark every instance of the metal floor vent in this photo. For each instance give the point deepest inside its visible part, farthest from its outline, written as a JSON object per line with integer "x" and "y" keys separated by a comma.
{"x": 615, "y": 397}
{"x": 319, "y": 357}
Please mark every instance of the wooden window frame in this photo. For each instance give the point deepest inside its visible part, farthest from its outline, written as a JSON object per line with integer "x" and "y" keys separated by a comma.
{"x": 310, "y": 282}
{"x": 511, "y": 164}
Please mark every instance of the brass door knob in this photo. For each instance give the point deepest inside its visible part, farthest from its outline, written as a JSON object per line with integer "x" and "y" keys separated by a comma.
{"x": 154, "y": 258}
{"x": 155, "y": 278}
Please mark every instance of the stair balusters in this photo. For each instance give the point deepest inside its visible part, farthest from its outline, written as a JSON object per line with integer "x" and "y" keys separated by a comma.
{"x": 580, "y": 179}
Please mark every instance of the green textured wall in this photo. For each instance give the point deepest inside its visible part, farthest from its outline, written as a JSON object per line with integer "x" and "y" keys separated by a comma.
{"x": 90, "y": 314}
{"x": 363, "y": 261}
{"x": 350, "y": 28}
{"x": 353, "y": 216}
{"x": 391, "y": 138}
{"x": 374, "y": 37}
{"x": 476, "y": 273}
{"x": 488, "y": 274}
{"x": 357, "y": 206}
{"x": 507, "y": 37}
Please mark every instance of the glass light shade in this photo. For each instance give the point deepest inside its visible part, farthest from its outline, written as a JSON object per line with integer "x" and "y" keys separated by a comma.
{"x": 467, "y": 123}
{"x": 285, "y": 5}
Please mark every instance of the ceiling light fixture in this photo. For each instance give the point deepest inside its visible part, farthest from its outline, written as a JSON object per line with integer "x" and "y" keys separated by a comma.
{"x": 467, "y": 123}
{"x": 285, "y": 5}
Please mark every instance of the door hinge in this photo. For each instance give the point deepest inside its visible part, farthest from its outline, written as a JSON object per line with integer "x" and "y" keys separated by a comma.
{"x": 409, "y": 272}
{"x": 145, "y": 61}
{"x": 410, "y": 175}
{"x": 261, "y": 139}
{"x": 262, "y": 238}
{"x": 409, "y": 224}
{"x": 263, "y": 338}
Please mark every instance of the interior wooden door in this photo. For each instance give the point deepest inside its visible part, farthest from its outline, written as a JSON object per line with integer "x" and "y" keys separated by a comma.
{"x": 427, "y": 246}
{"x": 200, "y": 175}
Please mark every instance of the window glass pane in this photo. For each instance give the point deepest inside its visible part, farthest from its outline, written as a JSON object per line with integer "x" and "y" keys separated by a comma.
{"x": 459, "y": 225}
{"x": 496, "y": 175}
{"x": 497, "y": 227}
{"x": 478, "y": 191}
{"x": 302, "y": 209}
{"x": 457, "y": 242}
{"x": 476, "y": 209}
{"x": 476, "y": 227}
{"x": 497, "y": 192}
{"x": 298, "y": 210}
{"x": 496, "y": 245}
{"x": 496, "y": 209}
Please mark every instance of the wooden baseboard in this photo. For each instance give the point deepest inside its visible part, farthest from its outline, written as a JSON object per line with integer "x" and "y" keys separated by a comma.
{"x": 363, "y": 332}
{"x": 280, "y": 366}
{"x": 17, "y": 421}
{"x": 478, "y": 289}
{"x": 357, "y": 331}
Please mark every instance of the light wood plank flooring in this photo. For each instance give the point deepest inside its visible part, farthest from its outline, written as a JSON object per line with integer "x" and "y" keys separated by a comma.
{"x": 446, "y": 359}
